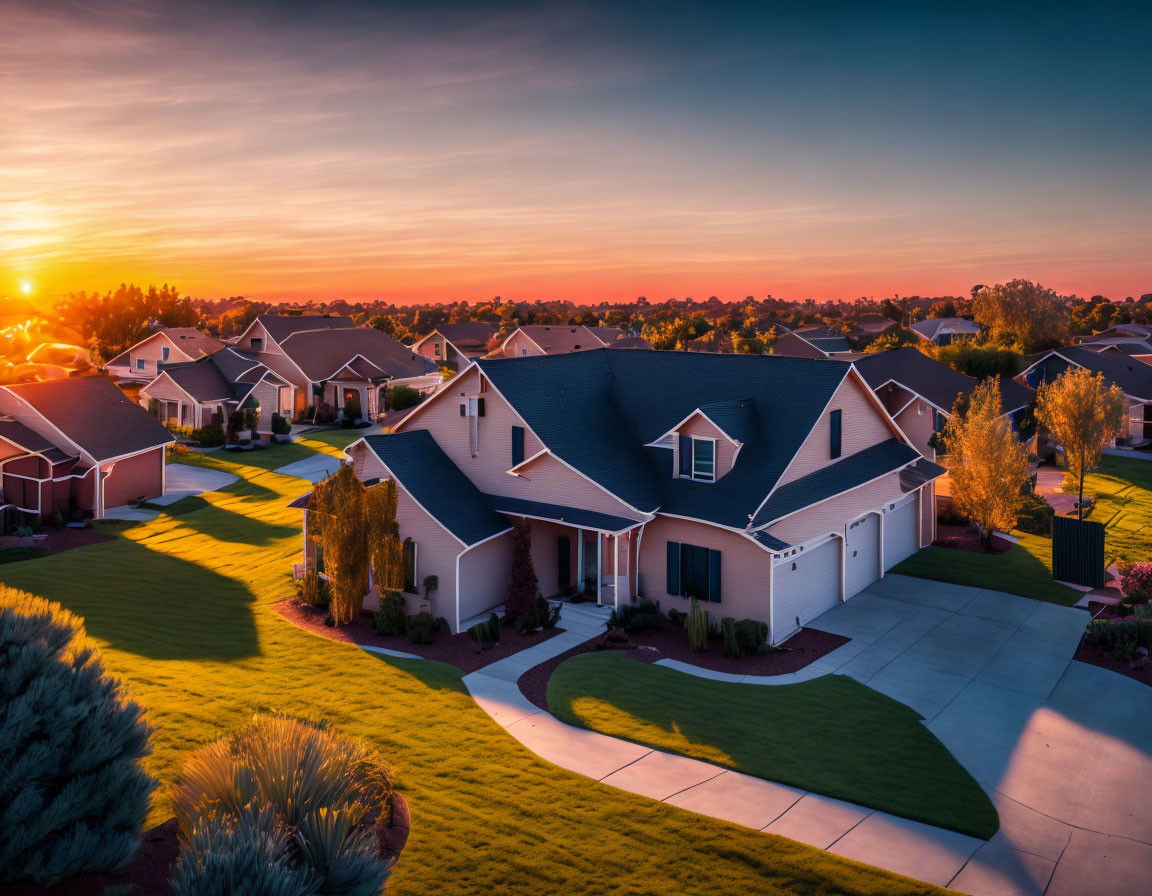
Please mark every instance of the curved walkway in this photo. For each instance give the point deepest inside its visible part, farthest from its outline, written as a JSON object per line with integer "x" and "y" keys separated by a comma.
{"x": 993, "y": 676}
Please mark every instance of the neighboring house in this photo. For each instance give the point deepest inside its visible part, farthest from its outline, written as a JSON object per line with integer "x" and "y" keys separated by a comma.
{"x": 174, "y": 345}
{"x": 456, "y": 344}
{"x": 328, "y": 359}
{"x": 1137, "y": 349}
{"x": 920, "y": 392}
{"x": 631, "y": 342}
{"x": 545, "y": 339}
{"x": 824, "y": 338}
{"x": 945, "y": 330}
{"x": 190, "y": 394}
{"x": 868, "y": 325}
{"x": 77, "y": 445}
{"x": 1132, "y": 376}
{"x": 792, "y": 345}
{"x": 1120, "y": 333}
{"x": 767, "y": 487}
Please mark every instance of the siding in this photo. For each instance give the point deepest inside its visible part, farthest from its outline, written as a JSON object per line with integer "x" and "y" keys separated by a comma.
{"x": 744, "y": 568}
{"x": 725, "y": 450}
{"x": 268, "y": 394}
{"x": 863, "y": 426}
{"x": 517, "y": 343}
{"x": 919, "y": 427}
{"x": 484, "y": 574}
{"x": 549, "y": 480}
{"x": 927, "y": 514}
{"x": 139, "y": 476}
{"x": 830, "y": 516}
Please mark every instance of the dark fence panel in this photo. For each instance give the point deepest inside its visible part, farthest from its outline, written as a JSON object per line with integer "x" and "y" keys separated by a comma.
{"x": 1078, "y": 551}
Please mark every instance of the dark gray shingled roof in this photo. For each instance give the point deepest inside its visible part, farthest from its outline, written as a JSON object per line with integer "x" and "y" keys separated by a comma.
{"x": 95, "y": 414}
{"x": 737, "y": 418}
{"x": 937, "y": 382}
{"x": 573, "y": 516}
{"x": 852, "y": 471}
{"x": 281, "y": 326}
{"x": 1133, "y": 377}
{"x": 323, "y": 353}
{"x": 437, "y": 484}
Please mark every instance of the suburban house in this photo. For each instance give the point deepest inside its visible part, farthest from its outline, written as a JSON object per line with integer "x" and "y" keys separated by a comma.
{"x": 77, "y": 445}
{"x": 1132, "y": 376}
{"x": 1119, "y": 333}
{"x": 173, "y": 345}
{"x": 792, "y": 345}
{"x": 826, "y": 340}
{"x": 456, "y": 344}
{"x": 945, "y": 330}
{"x": 867, "y": 326}
{"x": 766, "y": 487}
{"x": 547, "y": 339}
{"x": 329, "y": 360}
{"x": 191, "y": 394}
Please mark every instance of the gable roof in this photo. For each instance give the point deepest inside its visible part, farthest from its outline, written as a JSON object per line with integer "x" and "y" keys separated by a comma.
{"x": 320, "y": 354}
{"x": 226, "y": 375}
{"x": 631, "y": 342}
{"x": 561, "y": 339}
{"x": 437, "y": 484}
{"x": 1133, "y": 377}
{"x": 596, "y": 410}
{"x": 1134, "y": 347}
{"x": 607, "y": 335}
{"x": 21, "y": 436}
{"x": 931, "y": 327}
{"x": 930, "y": 379}
{"x": 470, "y": 334}
{"x": 736, "y": 418}
{"x": 793, "y": 345}
{"x": 281, "y": 326}
{"x": 95, "y": 414}
{"x": 824, "y": 338}
{"x": 189, "y": 340}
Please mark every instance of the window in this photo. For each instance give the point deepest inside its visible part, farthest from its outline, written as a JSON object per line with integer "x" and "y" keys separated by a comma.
{"x": 256, "y": 343}
{"x": 517, "y": 445}
{"x": 523, "y": 352}
{"x": 164, "y": 350}
{"x": 410, "y": 566}
{"x": 693, "y": 571}
{"x": 139, "y": 363}
{"x": 435, "y": 349}
{"x": 697, "y": 458}
{"x": 834, "y": 432}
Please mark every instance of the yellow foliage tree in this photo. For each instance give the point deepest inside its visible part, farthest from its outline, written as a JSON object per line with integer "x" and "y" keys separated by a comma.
{"x": 338, "y": 503}
{"x": 387, "y": 551}
{"x": 1084, "y": 415}
{"x": 986, "y": 462}
{"x": 1023, "y": 313}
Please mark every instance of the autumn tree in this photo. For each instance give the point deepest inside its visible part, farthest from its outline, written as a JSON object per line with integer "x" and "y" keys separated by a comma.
{"x": 338, "y": 510}
{"x": 1084, "y": 414}
{"x": 1023, "y": 313}
{"x": 387, "y": 551}
{"x": 986, "y": 462}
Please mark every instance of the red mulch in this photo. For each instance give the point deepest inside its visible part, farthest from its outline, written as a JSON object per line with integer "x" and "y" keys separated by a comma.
{"x": 965, "y": 538}
{"x": 1095, "y": 655}
{"x": 803, "y": 648}
{"x": 456, "y": 650}
{"x": 58, "y": 540}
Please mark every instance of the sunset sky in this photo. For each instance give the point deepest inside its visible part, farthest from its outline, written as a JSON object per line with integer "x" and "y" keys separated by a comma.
{"x": 443, "y": 151}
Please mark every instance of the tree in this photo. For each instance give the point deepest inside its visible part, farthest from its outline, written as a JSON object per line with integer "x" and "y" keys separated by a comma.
{"x": 1024, "y": 313}
{"x": 987, "y": 463}
{"x": 338, "y": 502}
{"x": 387, "y": 551}
{"x": 1084, "y": 415}
{"x": 523, "y": 585}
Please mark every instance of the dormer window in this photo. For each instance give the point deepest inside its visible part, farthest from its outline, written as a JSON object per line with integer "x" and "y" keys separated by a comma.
{"x": 256, "y": 343}
{"x": 698, "y": 458}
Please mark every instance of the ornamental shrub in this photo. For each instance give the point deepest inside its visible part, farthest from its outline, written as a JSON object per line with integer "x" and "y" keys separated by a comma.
{"x": 420, "y": 628}
{"x": 751, "y": 636}
{"x": 209, "y": 436}
{"x": 73, "y": 790}
{"x": 391, "y": 618}
{"x": 697, "y": 624}
{"x": 1035, "y": 515}
{"x": 1122, "y": 636}
{"x": 487, "y": 632}
{"x": 287, "y": 807}
{"x": 400, "y": 398}
{"x": 731, "y": 645}
{"x": 1136, "y": 585}
{"x": 641, "y": 616}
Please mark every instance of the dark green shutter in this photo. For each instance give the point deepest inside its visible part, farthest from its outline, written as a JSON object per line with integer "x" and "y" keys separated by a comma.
{"x": 834, "y": 428}
{"x": 674, "y": 568}
{"x": 564, "y": 560}
{"x": 463, "y": 411}
{"x": 517, "y": 445}
{"x": 714, "y": 576}
{"x": 685, "y": 456}
{"x": 479, "y": 407}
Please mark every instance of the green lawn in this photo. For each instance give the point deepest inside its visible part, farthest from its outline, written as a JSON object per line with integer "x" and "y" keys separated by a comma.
{"x": 831, "y": 735}
{"x": 1123, "y": 489}
{"x": 183, "y": 609}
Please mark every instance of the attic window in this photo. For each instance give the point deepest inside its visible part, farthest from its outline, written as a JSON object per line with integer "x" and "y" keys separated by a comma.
{"x": 256, "y": 343}
{"x": 697, "y": 458}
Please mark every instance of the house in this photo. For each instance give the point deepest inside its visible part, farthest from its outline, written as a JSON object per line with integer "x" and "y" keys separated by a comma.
{"x": 456, "y": 344}
{"x": 767, "y": 487}
{"x": 945, "y": 330}
{"x": 790, "y": 344}
{"x": 867, "y": 326}
{"x": 823, "y": 338}
{"x": 77, "y": 445}
{"x": 547, "y": 339}
{"x": 329, "y": 360}
{"x": 920, "y": 392}
{"x": 172, "y": 345}
{"x": 192, "y": 394}
{"x": 1120, "y": 333}
{"x": 1133, "y": 377}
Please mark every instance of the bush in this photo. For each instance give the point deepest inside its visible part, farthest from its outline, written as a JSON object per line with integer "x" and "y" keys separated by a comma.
{"x": 400, "y": 398}
{"x": 314, "y": 590}
{"x": 209, "y": 436}
{"x": 281, "y": 426}
{"x": 751, "y": 636}
{"x": 73, "y": 790}
{"x": 697, "y": 625}
{"x": 57, "y": 519}
{"x": 421, "y": 627}
{"x": 1035, "y": 516}
{"x": 1122, "y": 636}
{"x": 288, "y": 807}
{"x": 325, "y": 414}
{"x": 390, "y": 618}
{"x": 678, "y": 618}
{"x": 1136, "y": 585}
{"x": 731, "y": 645}
{"x": 487, "y": 632}
{"x": 980, "y": 361}
{"x": 642, "y": 616}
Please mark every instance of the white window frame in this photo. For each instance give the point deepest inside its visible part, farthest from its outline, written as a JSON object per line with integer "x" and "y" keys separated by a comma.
{"x": 139, "y": 363}
{"x": 712, "y": 477}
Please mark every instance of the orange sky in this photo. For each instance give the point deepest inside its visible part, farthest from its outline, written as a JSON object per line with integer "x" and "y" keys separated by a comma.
{"x": 572, "y": 155}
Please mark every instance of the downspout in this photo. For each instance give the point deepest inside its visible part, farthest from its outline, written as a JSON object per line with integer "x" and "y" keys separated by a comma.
{"x": 881, "y": 545}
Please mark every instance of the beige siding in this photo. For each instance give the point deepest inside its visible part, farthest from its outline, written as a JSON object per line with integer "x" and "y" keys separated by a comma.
{"x": 549, "y": 480}
{"x": 744, "y": 568}
{"x": 700, "y": 427}
{"x": 917, "y": 422}
{"x": 268, "y": 394}
{"x": 518, "y": 345}
{"x": 484, "y": 574}
{"x": 831, "y": 515}
{"x": 863, "y": 426}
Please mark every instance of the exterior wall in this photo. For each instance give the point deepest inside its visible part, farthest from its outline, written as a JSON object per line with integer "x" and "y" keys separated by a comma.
{"x": 831, "y": 515}
{"x": 165, "y": 389}
{"x": 927, "y": 514}
{"x": 151, "y": 352}
{"x": 862, "y": 427}
{"x": 792, "y": 346}
{"x": 267, "y": 392}
{"x": 744, "y": 568}
{"x": 918, "y": 423}
{"x": 550, "y": 481}
{"x": 436, "y": 552}
{"x": 545, "y": 557}
{"x": 83, "y": 491}
{"x": 484, "y": 574}
{"x": 518, "y": 345}
{"x": 138, "y": 476}
{"x": 725, "y": 450}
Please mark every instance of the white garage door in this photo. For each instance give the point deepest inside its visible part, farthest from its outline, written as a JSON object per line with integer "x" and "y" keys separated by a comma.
{"x": 800, "y": 595}
{"x": 862, "y": 554}
{"x": 900, "y": 532}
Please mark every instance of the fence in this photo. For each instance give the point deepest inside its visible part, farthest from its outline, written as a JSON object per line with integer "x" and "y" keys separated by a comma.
{"x": 1078, "y": 551}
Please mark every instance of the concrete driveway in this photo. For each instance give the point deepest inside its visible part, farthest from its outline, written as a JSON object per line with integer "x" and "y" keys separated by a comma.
{"x": 1063, "y": 749}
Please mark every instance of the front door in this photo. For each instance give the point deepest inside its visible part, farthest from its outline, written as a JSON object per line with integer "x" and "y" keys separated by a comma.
{"x": 589, "y": 575}
{"x": 563, "y": 561}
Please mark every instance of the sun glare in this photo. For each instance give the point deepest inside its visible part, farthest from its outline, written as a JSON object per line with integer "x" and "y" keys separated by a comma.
{"x": 25, "y": 287}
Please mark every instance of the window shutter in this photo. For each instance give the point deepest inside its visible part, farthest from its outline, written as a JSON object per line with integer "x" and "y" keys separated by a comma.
{"x": 835, "y": 432}
{"x": 517, "y": 445}
{"x": 479, "y": 407}
{"x": 714, "y": 576}
{"x": 463, "y": 411}
{"x": 685, "y": 455}
{"x": 674, "y": 568}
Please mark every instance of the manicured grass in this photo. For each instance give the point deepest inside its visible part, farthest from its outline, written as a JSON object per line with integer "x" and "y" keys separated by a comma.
{"x": 1123, "y": 490}
{"x": 183, "y": 609}
{"x": 14, "y": 555}
{"x": 831, "y": 735}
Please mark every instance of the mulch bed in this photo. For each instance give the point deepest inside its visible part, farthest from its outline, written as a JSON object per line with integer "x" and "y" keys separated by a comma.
{"x": 58, "y": 540}
{"x": 804, "y": 647}
{"x": 456, "y": 650}
{"x": 965, "y": 538}
{"x": 1095, "y": 655}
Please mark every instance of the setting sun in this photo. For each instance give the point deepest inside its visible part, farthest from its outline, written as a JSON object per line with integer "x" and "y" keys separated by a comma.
{"x": 25, "y": 287}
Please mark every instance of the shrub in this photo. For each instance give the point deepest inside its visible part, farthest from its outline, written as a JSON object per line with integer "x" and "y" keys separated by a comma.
{"x": 209, "y": 436}
{"x": 251, "y": 418}
{"x": 547, "y": 613}
{"x": 57, "y": 519}
{"x": 314, "y": 590}
{"x": 390, "y": 618}
{"x": 73, "y": 790}
{"x": 678, "y": 618}
{"x": 731, "y": 645}
{"x": 431, "y": 583}
{"x": 697, "y": 623}
{"x": 642, "y": 616}
{"x": 281, "y": 426}
{"x": 400, "y": 398}
{"x": 1122, "y": 636}
{"x": 1136, "y": 585}
{"x": 1036, "y": 515}
{"x": 715, "y": 632}
{"x": 751, "y": 636}
{"x": 235, "y": 424}
{"x": 325, "y": 414}
{"x": 421, "y": 627}
{"x": 285, "y": 803}
{"x": 487, "y": 632}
